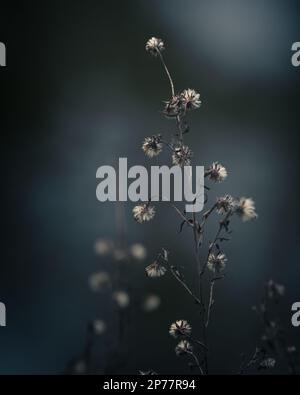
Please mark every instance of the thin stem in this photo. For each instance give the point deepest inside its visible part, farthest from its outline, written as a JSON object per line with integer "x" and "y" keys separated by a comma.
{"x": 186, "y": 287}
{"x": 197, "y": 362}
{"x": 167, "y": 72}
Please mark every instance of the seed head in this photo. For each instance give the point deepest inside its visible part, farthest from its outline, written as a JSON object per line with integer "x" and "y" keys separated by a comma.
{"x": 183, "y": 347}
{"x": 225, "y": 204}
{"x": 154, "y": 46}
{"x": 143, "y": 212}
{"x": 152, "y": 146}
{"x": 156, "y": 269}
{"x": 180, "y": 328}
{"x": 190, "y": 99}
{"x": 217, "y": 172}
{"x": 182, "y": 156}
{"x": 216, "y": 263}
{"x": 245, "y": 208}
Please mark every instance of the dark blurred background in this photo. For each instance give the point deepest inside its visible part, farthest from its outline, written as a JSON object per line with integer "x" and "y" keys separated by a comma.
{"x": 79, "y": 91}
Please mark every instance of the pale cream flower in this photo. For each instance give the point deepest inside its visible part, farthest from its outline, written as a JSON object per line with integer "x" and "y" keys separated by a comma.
{"x": 99, "y": 281}
{"x": 138, "y": 251}
{"x": 225, "y": 204}
{"x": 121, "y": 298}
{"x": 155, "y": 45}
{"x": 151, "y": 303}
{"x": 216, "y": 263}
{"x": 143, "y": 212}
{"x": 182, "y": 156}
{"x": 184, "y": 347}
{"x": 217, "y": 172}
{"x": 190, "y": 99}
{"x": 99, "y": 327}
{"x": 103, "y": 246}
{"x": 152, "y": 146}
{"x": 180, "y": 328}
{"x": 156, "y": 269}
{"x": 245, "y": 208}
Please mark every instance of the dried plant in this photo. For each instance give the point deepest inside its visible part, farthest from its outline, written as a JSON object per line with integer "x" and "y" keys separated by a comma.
{"x": 213, "y": 267}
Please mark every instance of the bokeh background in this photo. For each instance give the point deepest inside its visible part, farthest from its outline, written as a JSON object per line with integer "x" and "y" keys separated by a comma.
{"x": 79, "y": 91}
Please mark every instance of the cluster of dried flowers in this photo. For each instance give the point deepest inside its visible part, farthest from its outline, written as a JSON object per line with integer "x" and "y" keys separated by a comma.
{"x": 177, "y": 108}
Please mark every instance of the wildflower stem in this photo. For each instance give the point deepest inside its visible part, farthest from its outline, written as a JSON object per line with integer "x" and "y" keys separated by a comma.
{"x": 190, "y": 292}
{"x": 167, "y": 72}
{"x": 197, "y": 363}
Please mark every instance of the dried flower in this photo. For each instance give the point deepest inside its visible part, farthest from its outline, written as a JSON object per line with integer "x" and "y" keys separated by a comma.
{"x": 103, "y": 246}
{"x": 98, "y": 281}
{"x": 182, "y": 156}
{"x": 99, "y": 327}
{"x": 173, "y": 107}
{"x": 152, "y": 146}
{"x": 143, "y": 212}
{"x": 121, "y": 298}
{"x": 190, "y": 99}
{"x": 217, "y": 172}
{"x": 245, "y": 208}
{"x": 183, "y": 347}
{"x": 154, "y": 46}
{"x": 147, "y": 372}
{"x": 225, "y": 204}
{"x": 138, "y": 251}
{"x": 156, "y": 269}
{"x": 216, "y": 263}
{"x": 267, "y": 363}
{"x": 180, "y": 328}
{"x": 151, "y": 303}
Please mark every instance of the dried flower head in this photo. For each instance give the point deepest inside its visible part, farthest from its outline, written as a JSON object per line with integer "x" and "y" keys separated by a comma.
{"x": 173, "y": 107}
{"x": 156, "y": 269}
{"x": 225, "y": 204}
{"x": 183, "y": 347}
{"x": 151, "y": 303}
{"x": 154, "y": 46}
{"x": 182, "y": 156}
{"x": 180, "y": 328}
{"x": 217, "y": 172}
{"x": 245, "y": 208}
{"x": 190, "y": 99}
{"x": 216, "y": 263}
{"x": 103, "y": 246}
{"x": 143, "y": 212}
{"x": 99, "y": 281}
{"x": 99, "y": 327}
{"x": 121, "y": 298}
{"x": 152, "y": 146}
{"x": 147, "y": 372}
{"x": 138, "y": 251}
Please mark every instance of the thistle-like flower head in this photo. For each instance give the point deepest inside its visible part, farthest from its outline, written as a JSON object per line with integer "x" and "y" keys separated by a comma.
{"x": 182, "y": 156}
{"x": 190, "y": 99}
{"x": 216, "y": 262}
{"x": 183, "y": 347}
{"x": 156, "y": 269}
{"x": 143, "y": 212}
{"x": 152, "y": 146}
{"x": 154, "y": 46}
{"x": 180, "y": 328}
{"x": 217, "y": 172}
{"x": 173, "y": 107}
{"x": 225, "y": 204}
{"x": 245, "y": 208}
